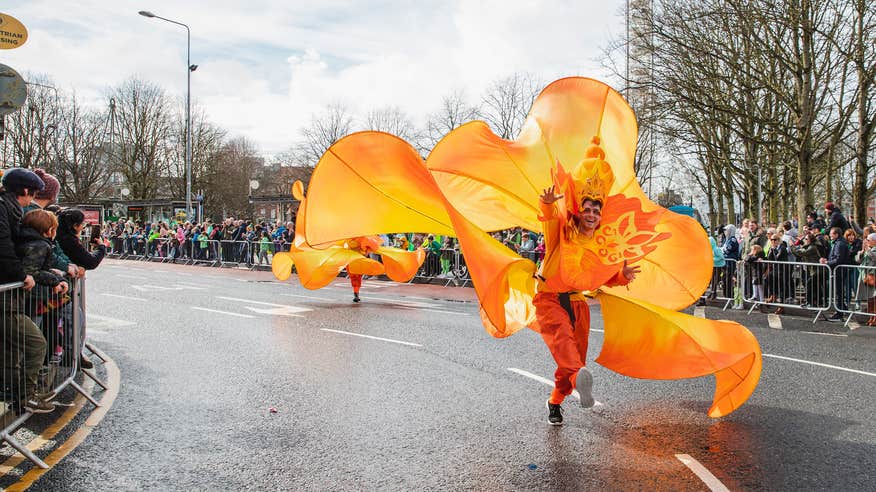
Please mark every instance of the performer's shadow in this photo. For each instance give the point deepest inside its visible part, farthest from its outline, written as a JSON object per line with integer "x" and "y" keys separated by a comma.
{"x": 758, "y": 447}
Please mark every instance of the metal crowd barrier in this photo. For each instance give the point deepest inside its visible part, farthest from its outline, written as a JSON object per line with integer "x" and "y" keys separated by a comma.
{"x": 855, "y": 291}
{"x": 722, "y": 284}
{"x": 781, "y": 285}
{"x": 784, "y": 285}
{"x": 212, "y": 252}
{"x": 43, "y": 336}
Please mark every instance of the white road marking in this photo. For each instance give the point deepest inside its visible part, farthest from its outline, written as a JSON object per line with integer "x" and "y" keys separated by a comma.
{"x": 825, "y": 334}
{"x": 373, "y": 338}
{"x": 311, "y": 297}
{"x": 600, "y": 331}
{"x": 122, "y": 297}
{"x": 425, "y": 309}
{"x": 865, "y": 373}
{"x": 700, "y": 312}
{"x": 192, "y": 285}
{"x": 280, "y": 311}
{"x": 704, "y": 474}
{"x": 147, "y": 288}
{"x": 547, "y": 382}
{"x": 106, "y": 321}
{"x": 222, "y": 312}
{"x": 774, "y": 321}
{"x": 250, "y": 301}
{"x": 125, "y": 275}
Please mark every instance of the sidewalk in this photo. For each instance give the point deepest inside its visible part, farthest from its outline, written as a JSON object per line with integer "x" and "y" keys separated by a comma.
{"x": 793, "y": 320}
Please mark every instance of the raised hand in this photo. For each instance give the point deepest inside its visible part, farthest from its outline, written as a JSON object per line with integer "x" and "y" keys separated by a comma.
{"x": 549, "y": 195}
{"x": 631, "y": 271}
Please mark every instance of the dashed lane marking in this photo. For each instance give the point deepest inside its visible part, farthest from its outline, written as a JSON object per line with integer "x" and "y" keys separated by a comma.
{"x": 865, "y": 373}
{"x": 250, "y": 301}
{"x": 327, "y": 299}
{"x": 97, "y": 321}
{"x": 122, "y": 297}
{"x": 703, "y": 473}
{"x": 222, "y": 312}
{"x": 373, "y": 338}
{"x": 412, "y": 308}
{"x": 548, "y": 382}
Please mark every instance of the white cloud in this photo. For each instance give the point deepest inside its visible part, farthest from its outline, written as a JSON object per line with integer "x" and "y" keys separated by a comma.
{"x": 265, "y": 67}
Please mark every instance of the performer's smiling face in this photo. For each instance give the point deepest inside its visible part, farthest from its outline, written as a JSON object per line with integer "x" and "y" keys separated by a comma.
{"x": 589, "y": 216}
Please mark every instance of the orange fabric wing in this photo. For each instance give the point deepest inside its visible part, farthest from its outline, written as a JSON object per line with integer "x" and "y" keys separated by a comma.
{"x": 645, "y": 341}
{"x": 401, "y": 265}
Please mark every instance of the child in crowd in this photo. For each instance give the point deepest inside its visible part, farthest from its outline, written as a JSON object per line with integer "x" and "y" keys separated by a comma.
{"x": 447, "y": 254}
{"x": 34, "y": 247}
{"x": 266, "y": 247}
{"x": 752, "y": 261}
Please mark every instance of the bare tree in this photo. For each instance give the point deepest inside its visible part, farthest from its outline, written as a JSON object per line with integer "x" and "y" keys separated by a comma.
{"x": 325, "y": 129}
{"x": 85, "y": 171}
{"x": 392, "y": 120}
{"x": 226, "y": 180}
{"x": 862, "y": 55}
{"x": 207, "y": 141}
{"x": 454, "y": 112}
{"x": 754, "y": 89}
{"x": 144, "y": 118}
{"x": 32, "y": 131}
{"x": 506, "y": 103}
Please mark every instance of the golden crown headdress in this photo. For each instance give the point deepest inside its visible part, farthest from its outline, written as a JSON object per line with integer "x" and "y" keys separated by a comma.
{"x": 592, "y": 177}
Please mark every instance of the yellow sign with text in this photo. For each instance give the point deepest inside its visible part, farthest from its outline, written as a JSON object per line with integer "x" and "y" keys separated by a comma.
{"x": 13, "y": 34}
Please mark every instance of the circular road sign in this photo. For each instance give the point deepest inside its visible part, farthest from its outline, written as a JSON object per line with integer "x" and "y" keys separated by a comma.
{"x": 13, "y": 34}
{"x": 13, "y": 90}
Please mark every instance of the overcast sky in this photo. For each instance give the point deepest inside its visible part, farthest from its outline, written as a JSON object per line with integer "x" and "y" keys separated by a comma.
{"x": 266, "y": 66}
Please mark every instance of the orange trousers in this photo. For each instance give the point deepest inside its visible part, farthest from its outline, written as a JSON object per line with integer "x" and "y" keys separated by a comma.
{"x": 356, "y": 282}
{"x": 567, "y": 343}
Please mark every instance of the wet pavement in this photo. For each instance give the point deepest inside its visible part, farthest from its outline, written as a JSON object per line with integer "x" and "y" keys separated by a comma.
{"x": 232, "y": 381}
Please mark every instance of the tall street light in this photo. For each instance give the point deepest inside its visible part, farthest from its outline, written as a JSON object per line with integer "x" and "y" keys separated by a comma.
{"x": 189, "y": 69}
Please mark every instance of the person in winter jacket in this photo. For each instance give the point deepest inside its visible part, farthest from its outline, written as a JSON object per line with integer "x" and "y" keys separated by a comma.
{"x": 20, "y": 334}
{"x": 71, "y": 221}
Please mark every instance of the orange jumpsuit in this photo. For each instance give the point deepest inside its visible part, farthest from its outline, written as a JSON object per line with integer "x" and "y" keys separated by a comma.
{"x": 566, "y": 339}
{"x": 364, "y": 245}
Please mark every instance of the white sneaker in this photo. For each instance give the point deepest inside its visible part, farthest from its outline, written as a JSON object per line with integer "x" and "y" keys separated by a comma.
{"x": 584, "y": 385}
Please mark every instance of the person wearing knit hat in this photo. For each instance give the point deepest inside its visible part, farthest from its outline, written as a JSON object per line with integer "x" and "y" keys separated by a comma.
{"x": 49, "y": 194}
{"x": 41, "y": 200}
{"x": 25, "y": 345}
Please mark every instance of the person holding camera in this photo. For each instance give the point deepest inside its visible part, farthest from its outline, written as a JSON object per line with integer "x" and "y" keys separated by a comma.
{"x": 71, "y": 222}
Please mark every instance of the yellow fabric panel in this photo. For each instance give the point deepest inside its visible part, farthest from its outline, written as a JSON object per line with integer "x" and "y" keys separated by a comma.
{"x": 365, "y": 266}
{"x": 371, "y": 183}
{"x": 281, "y": 266}
{"x": 643, "y": 340}
{"x": 401, "y": 265}
{"x": 319, "y": 267}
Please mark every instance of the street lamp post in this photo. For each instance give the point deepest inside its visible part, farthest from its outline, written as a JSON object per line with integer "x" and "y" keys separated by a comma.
{"x": 189, "y": 69}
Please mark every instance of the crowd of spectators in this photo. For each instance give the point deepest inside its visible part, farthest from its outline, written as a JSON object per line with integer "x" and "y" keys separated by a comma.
{"x": 40, "y": 247}
{"x": 768, "y": 254}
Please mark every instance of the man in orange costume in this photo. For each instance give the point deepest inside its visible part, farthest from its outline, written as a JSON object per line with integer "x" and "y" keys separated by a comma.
{"x": 563, "y": 315}
{"x": 364, "y": 245}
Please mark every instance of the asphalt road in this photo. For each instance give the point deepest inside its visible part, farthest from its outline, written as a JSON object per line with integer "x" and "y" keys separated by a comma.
{"x": 232, "y": 381}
